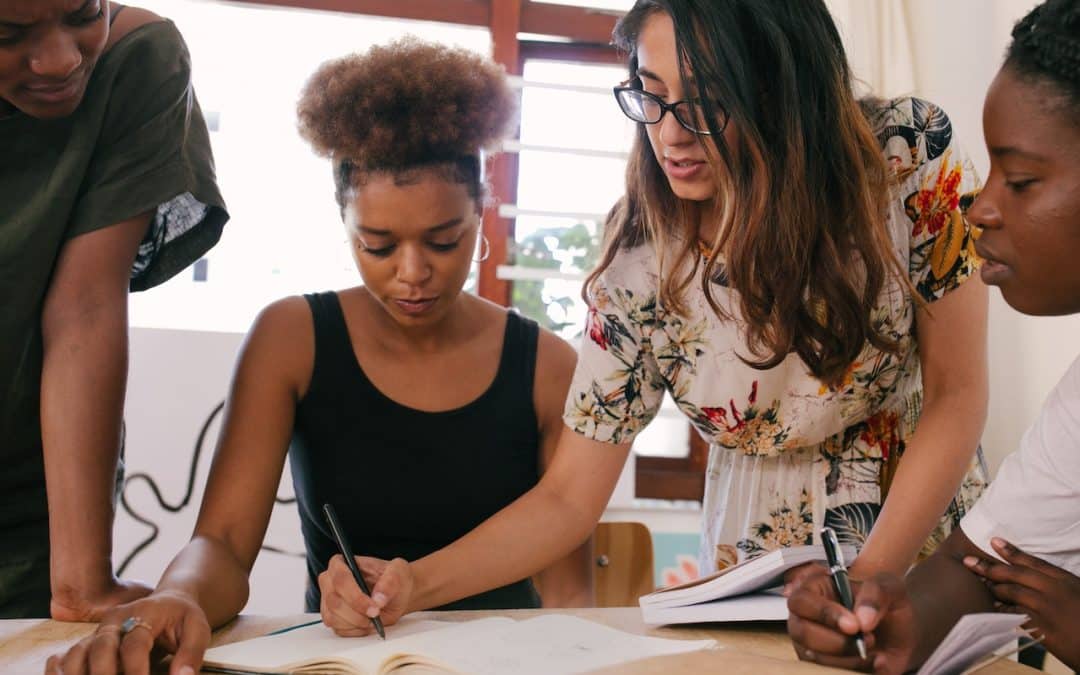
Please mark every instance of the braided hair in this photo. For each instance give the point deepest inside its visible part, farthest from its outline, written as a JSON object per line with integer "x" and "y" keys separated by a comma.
{"x": 1046, "y": 48}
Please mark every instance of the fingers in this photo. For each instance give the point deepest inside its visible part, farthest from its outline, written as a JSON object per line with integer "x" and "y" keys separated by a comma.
{"x": 52, "y": 666}
{"x": 1004, "y": 573}
{"x": 389, "y": 585}
{"x": 821, "y": 639}
{"x": 844, "y": 662}
{"x": 135, "y": 651}
{"x": 1015, "y": 556}
{"x": 1026, "y": 599}
{"x": 194, "y": 639}
{"x": 875, "y": 598}
{"x": 796, "y": 576}
{"x": 339, "y": 616}
{"x": 811, "y": 606}
{"x": 344, "y": 607}
{"x": 74, "y": 661}
{"x": 101, "y": 654}
{"x": 107, "y": 651}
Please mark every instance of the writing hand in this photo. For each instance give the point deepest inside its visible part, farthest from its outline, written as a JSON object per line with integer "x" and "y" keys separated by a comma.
{"x": 822, "y": 629}
{"x": 348, "y": 610}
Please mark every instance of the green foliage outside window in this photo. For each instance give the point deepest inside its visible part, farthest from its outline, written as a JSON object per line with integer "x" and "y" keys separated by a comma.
{"x": 573, "y": 249}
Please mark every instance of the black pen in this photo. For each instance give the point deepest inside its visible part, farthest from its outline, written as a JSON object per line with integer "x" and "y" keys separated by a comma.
{"x": 838, "y": 572}
{"x": 346, "y": 551}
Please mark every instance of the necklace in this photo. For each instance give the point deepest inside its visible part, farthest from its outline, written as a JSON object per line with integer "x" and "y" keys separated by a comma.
{"x": 705, "y": 250}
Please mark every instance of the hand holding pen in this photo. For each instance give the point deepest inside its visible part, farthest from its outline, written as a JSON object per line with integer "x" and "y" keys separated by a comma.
{"x": 838, "y": 572}
{"x": 346, "y": 551}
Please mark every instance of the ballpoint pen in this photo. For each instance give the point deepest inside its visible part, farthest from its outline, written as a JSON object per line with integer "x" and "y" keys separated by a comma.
{"x": 346, "y": 551}
{"x": 838, "y": 572}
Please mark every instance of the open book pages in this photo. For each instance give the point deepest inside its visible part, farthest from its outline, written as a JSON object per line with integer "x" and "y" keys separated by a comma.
{"x": 547, "y": 644}
{"x": 971, "y": 641}
{"x": 752, "y": 576}
{"x": 768, "y": 605}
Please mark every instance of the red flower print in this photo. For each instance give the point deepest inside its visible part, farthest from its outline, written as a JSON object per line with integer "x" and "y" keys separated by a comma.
{"x": 735, "y": 414}
{"x": 716, "y": 415}
{"x": 882, "y": 431}
{"x": 596, "y": 329}
{"x": 934, "y": 205}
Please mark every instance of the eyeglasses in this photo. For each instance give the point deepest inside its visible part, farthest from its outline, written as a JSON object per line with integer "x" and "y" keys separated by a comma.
{"x": 641, "y": 106}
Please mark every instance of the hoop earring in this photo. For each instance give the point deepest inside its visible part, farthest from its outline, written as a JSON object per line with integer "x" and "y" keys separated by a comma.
{"x": 485, "y": 249}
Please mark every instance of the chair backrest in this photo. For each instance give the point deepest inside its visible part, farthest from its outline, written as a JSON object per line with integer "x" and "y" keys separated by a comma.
{"x": 624, "y": 563}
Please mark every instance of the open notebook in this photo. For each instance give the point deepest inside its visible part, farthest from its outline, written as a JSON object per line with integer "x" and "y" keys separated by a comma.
{"x": 548, "y": 644}
{"x": 748, "y": 591}
{"x": 972, "y": 642}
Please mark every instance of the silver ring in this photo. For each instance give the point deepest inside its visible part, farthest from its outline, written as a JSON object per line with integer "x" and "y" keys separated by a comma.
{"x": 133, "y": 622}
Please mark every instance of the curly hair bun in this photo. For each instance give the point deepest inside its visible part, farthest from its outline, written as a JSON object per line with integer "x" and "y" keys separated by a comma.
{"x": 406, "y": 103}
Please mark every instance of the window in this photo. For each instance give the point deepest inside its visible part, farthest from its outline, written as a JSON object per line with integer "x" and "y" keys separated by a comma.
{"x": 285, "y": 235}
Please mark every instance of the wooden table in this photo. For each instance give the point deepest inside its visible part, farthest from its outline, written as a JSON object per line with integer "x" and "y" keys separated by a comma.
{"x": 749, "y": 649}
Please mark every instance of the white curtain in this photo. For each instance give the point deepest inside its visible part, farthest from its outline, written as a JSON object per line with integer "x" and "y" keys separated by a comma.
{"x": 879, "y": 44}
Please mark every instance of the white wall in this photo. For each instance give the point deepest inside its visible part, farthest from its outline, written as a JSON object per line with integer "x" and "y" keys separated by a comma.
{"x": 176, "y": 379}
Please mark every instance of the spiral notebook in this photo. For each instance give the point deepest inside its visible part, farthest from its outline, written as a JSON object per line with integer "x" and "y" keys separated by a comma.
{"x": 544, "y": 645}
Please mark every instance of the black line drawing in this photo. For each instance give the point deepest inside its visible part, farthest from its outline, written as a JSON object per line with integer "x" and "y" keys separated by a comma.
{"x": 155, "y": 529}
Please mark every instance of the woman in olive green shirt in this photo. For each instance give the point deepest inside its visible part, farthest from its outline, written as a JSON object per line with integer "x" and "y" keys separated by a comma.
{"x": 106, "y": 184}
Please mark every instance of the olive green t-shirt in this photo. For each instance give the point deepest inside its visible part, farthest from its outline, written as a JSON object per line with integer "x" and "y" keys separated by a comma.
{"x": 137, "y": 143}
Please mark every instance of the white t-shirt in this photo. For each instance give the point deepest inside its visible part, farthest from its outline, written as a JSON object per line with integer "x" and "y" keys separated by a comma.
{"x": 1034, "y": 502}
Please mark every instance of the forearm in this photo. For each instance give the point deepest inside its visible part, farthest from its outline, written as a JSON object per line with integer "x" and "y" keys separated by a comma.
{"x": 82, "y": 396}
{"x": 942, "y": 590}
{"x": 209, "y": 572}
{"x": 934, "y": 464}
{"x": 568, "y": 582}
{"x": 522, "y": 539}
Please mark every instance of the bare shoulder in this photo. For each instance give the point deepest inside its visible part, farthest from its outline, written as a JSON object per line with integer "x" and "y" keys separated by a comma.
{"x": 555, "y": 363}
{"x": 282, "y": 341}
{"x": 128, "y": 20}
{"x": 286, "y": 321}
{"x": 555, "y": 357}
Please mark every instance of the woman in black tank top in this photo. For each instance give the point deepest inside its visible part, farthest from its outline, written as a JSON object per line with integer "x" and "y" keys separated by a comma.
{"x": 416, "y": 409}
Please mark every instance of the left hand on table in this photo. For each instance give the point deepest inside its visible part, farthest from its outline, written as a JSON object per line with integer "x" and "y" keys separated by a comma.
{"x": 1046, "y": 593}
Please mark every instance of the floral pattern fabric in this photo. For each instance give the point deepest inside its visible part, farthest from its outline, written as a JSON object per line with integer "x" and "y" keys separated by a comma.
{"x": 788, "y": 454}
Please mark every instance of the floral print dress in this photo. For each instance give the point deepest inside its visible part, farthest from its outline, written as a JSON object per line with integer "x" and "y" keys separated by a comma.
{"x": 788, "y": 454}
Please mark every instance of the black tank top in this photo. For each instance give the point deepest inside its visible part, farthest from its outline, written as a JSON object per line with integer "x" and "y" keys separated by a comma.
{"x": 404, "y": 482}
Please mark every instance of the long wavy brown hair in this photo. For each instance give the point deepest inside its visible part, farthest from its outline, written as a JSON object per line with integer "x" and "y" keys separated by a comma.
{"x": 801, "y": 200}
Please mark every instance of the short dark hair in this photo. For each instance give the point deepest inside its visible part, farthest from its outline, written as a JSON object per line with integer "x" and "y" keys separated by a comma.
{"x": 1046, "y": 49}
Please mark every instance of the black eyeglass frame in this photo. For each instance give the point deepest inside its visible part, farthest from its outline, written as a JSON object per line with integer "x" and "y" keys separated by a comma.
{"x": 665, "y": 108}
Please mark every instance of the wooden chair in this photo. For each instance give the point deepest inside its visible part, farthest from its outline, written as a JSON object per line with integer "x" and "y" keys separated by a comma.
{"x": 624, "y": 563}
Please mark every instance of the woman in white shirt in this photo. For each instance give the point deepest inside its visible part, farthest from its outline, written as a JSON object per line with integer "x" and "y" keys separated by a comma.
{"x": 1018, "y": 549}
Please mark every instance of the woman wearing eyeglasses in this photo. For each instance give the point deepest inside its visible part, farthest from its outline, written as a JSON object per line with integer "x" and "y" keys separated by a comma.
{"x": 789, "y": 264}
{"x": 801, "y": 294}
